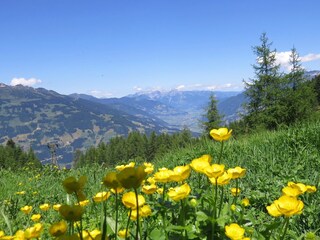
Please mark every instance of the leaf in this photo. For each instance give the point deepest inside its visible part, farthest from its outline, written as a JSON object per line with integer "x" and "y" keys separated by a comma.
{"x": 157, "y": 234}
{"x": 201, "y": 216}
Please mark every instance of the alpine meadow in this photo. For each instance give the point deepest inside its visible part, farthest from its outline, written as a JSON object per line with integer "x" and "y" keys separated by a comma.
{"x": 256, "y": 177}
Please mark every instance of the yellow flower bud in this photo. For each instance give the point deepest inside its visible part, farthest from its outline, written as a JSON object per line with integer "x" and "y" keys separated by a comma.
{"x": 221, "y": 134}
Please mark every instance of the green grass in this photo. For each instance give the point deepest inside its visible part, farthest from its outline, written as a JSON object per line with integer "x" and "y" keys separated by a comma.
{"x": 271, "y": 159}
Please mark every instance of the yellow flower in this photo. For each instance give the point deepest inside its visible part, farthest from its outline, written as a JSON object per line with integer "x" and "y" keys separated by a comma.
{"x": 72, "y": 185}
{"x": 180, "y": 173}
{"x": 58, "y": 229}
{"x": 131, "y": 177}
{"x": 4, "y": 237}
{"x": 160, "y": 190}
{"x": 163, "y": 175}
{"x": 221, "y": 134}
{"x": 33, "y": 232}
{"x": 200, "y": 164}
{"x": 234, "y": 231}
{"x": 245, "y": 202}
{"x": 111, "y": 181}
{"x": 236, "y": 172}
{"x": 311, "y": 189}
{"x": 21, "y": 193}
{"x": 224, "y": 179}
{"x": 233, "y": 207}
{"x": 56, "y": 207}
{"x": 299, "y": 186}
{"x": 83, "y": 203}
{"x": 44, "y": 207}
{"x": 149, "y": 189}
{"x": 193, "y": 202}
{"x": 19, "y": 235}
{"x": 95, "y": 234}
{"x": 144, "y": 211}
{"x": 180, "y": 192}
{"x": 117, "y": 190}
{"x": 286, "y": 206}
{"x": 214, "y": 171}
{"x": 123, "y": 233}
{"x": 101, "y": 196}
{"x": 35, "y": 217}
{"x": 121, "y": 167}
{"x": 26, "y": 209}
{"x": 273, "y": 210}
{"x": 129, "y": 200}
{"x": 151, "y": 180}
{"x": 71, "y": 213}
{"x": 289, "y": 206}
{"x": 291, "y": 191}
{"x": 148, "y": 167}
{"x": 235, "y": 191}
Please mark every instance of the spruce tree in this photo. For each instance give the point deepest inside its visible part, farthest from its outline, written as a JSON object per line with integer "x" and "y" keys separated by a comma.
{"x": 212, "y": 116}
{"x": 300, "y": 96}
{"x": 264, "y": 91}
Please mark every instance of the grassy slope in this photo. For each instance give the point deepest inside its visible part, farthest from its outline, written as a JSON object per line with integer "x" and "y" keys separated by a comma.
{"x": 272, "y": 159}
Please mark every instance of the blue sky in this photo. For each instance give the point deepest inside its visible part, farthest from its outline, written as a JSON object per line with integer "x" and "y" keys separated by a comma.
{"x": 114, "y": 48}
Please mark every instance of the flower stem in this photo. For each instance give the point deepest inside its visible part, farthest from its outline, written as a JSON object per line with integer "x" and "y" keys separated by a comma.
{"x": 104, "y": 225}
{"x": 221, "y": 201}
{"x": 117, "y": 213}
{"x": 215, "y": 196}
{"x": 138, "y": 220}
{"x": 221, "y": 150}
{"x": 237, "y": 193}
{"x": 127, "y": 227}
{"x": 285, "y": 228}
{"x": 163, "y": 213}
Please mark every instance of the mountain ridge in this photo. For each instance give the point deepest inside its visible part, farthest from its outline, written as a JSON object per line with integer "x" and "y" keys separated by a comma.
{"x": 34, "y": 117}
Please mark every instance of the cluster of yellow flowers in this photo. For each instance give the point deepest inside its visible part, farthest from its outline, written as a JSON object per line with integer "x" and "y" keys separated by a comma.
{"x": 127, "y": 180}
{"x": 30, "y": 233}
{"x": 289, "y": 204}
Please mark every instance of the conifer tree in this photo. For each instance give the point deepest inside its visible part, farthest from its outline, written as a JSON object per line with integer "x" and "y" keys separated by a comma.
{"x": 212, "y": 116}
{"x": 264, "y": 91}
{"x": 300, "y": 97}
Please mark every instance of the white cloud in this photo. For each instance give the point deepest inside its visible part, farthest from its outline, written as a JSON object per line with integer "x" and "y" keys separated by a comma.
{"x": 24, "y": 81}
{"x": 227, "y": 86}
{"x": 180, "y": 87}
{"x": 283, "y": 58}
{"x": 310, "y": 57}
{"x": 100, "y": 94}
{"x": 137, "y": 89}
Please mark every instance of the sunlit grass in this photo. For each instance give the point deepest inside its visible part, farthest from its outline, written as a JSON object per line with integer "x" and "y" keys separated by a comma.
{"x": 271, "y": 160}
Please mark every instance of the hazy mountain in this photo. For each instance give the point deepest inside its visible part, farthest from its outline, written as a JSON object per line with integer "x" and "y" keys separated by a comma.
{"x": 179, "y": 109}
{"x": 35, "y": 117}
{"x": 311, "y": 74}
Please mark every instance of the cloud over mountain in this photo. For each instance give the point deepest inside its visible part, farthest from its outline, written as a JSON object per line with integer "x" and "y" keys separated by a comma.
{"x": 24, "y": 81}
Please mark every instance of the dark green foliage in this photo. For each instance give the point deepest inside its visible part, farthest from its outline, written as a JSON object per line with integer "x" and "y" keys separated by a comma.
{"x": 316, "y": 85}
{"x": 136, "y": 147}
{"x": 212, "y": 116}
{"x": 264, "y": 91}
{"x": 277, "y": 99}
{"x": 13, "y": 157}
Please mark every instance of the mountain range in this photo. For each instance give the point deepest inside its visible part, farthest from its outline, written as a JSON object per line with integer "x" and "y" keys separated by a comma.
{"x": 38, "y": 118}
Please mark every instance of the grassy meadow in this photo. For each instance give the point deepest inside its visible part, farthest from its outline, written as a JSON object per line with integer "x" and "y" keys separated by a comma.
{"x": 191, "y": 206}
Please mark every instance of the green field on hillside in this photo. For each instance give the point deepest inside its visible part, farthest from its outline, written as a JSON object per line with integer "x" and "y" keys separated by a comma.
{"x": 272, "y": 164}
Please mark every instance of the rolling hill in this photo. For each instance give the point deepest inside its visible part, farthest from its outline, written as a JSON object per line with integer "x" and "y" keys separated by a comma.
{"x": 37, "y": 117}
